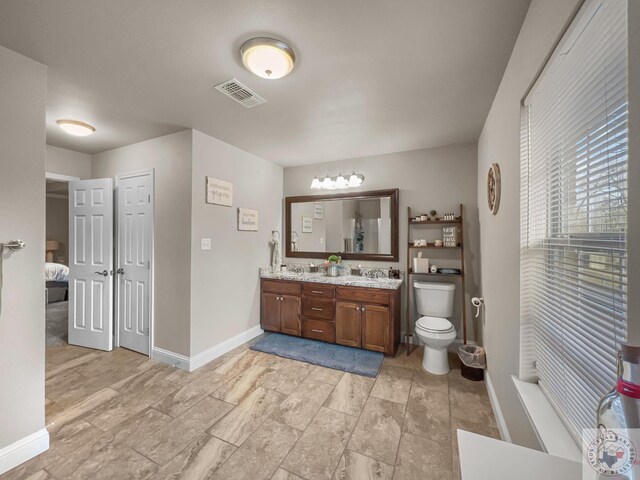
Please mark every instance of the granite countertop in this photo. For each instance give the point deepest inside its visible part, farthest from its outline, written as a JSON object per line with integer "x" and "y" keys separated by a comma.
{"x": 343, "y": 280}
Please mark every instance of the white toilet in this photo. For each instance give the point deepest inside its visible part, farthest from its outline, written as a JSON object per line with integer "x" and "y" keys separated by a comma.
{"x": 434, "y": 302}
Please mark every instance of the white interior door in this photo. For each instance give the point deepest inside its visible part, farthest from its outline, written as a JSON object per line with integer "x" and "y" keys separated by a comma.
{"x": 134, "y": 197}
{"x": 91, "y": 263}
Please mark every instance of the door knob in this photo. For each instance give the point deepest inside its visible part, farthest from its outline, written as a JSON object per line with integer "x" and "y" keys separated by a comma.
{"x": 104, "y": 273}
{"x": 120, "y": 271}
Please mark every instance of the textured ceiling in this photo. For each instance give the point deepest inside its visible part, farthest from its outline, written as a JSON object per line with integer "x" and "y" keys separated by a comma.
{"x": 372, "y": 76}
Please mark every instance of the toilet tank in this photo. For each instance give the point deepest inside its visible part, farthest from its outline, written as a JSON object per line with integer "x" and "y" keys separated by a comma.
{"x": 434, "y": 299}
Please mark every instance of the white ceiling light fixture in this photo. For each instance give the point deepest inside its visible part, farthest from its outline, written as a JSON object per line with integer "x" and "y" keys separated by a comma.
{"x": 337, "y": 183}
{"x": 75, "y": 127}
{"x": 267, "y": 57}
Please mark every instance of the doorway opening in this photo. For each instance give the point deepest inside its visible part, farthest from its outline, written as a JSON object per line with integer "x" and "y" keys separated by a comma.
{"x": 57, "y": 258}
{"x": 99, "y": 262}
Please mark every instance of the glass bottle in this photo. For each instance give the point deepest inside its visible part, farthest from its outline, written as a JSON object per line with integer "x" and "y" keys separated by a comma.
{"x": 619, "y": 410}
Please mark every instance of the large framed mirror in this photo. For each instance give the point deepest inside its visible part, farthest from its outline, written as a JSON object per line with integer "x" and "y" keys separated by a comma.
{"x": 358, "y": 226}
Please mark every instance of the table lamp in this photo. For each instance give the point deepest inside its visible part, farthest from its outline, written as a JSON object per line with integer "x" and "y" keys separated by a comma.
{"x": 51, "y": 246}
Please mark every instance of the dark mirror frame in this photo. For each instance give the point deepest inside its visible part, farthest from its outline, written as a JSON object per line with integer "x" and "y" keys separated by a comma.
{"x": 392, "y": 193}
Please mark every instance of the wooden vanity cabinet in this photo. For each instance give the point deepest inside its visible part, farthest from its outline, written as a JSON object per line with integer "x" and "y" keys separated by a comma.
{"x": 353, "y": 316}
{"x": 270, "y": 304}
{"x": 290, "y": 315}
{"x": 348, "y": 324}
{"x": 375, "y": 327}
{"x": 281, "y": 308}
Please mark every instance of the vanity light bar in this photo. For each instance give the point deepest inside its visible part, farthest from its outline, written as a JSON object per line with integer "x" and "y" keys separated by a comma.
{"x": 337, "y": 183}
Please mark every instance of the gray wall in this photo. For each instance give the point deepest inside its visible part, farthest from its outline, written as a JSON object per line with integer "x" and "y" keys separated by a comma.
{"x": 170, "y": 156}
{"x": 500, "y": 234}
{"x": 438, "y": 178}
{"x": 22, "y": 189}
{"x": 633, "y": 308}
{"x": 57, "y": 226}
{"x": 68, "y": 162}
{"x": 224, "y": 280}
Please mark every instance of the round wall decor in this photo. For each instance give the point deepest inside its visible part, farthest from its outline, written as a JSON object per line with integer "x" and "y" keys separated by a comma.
{"x": 493, "y": 188}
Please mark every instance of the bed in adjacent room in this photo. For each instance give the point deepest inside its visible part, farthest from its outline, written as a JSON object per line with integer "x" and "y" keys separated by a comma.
{"x": 56, "y": 282}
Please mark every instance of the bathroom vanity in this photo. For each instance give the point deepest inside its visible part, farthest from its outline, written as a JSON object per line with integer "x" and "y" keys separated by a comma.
{"x": 348, "y": 310}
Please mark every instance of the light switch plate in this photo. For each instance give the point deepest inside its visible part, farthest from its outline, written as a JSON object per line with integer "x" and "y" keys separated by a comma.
{"x": 205, "y": 244}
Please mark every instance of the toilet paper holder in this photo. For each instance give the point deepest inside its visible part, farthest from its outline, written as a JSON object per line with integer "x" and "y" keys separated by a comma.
{"x": 477, "y": 302}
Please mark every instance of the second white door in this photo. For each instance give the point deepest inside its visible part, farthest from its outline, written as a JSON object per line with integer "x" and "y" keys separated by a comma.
{"x": 134, "y": 197}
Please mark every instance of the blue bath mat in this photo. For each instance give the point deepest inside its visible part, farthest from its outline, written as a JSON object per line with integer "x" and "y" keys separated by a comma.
{"x": 338, "y": 357}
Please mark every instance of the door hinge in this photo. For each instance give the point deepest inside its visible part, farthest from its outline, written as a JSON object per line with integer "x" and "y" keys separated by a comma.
{"x": 148, "y": 264}
{"x": 149, "y": 198}
{"x": 147, "y": 331}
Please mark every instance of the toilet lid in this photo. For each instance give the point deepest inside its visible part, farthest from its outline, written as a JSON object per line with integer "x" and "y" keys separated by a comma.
{"x": 434, "y": 324}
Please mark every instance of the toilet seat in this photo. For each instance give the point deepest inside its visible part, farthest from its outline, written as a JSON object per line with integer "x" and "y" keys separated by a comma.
{"x": 434, "y": 325}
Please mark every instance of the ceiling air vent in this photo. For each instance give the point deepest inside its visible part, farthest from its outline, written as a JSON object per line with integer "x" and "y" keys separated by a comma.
{"x": 241, "y": 94}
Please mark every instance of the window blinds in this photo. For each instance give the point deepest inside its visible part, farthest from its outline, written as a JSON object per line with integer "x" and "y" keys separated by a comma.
{"x": 574, "y": 214}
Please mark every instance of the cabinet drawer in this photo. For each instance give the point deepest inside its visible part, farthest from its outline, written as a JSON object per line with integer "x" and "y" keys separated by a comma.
{"x": 318, "y": 308}
{"x": 285, "y": 288}
{"x": 364, "y": 295}
{"x": 319, "y": 330}
{"x": 322, "y": 291}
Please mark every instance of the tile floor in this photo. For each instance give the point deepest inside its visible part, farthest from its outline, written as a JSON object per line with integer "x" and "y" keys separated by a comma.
{"x": 119, "y": 415}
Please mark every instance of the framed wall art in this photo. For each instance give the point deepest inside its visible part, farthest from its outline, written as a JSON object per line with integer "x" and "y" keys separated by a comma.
{"x": 247, "y": 220}
{"x": 307, "y": 225}
{"x": 494, "y": 184}
{"x": 219, "y": 192}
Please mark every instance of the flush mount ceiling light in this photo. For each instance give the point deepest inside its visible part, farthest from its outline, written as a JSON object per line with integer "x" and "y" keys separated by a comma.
{"x": 337, "y": 183}
{"x": 75, "y": 127}
{"x": 267, "y": 57}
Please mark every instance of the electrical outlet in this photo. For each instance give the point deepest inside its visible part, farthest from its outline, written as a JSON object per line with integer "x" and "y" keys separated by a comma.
{"x": 321, "y": 240}
{"x": 205, "y": 244}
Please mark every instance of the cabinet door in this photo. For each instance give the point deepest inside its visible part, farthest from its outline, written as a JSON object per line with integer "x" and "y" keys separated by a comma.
{"x": 348, "y": 324}
{"x": 375, "y": 328}
{"x": 270, "y": 312}
{"x": 290, "y": 315}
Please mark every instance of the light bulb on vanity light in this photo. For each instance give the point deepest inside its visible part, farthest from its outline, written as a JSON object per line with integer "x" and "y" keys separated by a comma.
{"x": 328, "y": 183}
{"x": 315, "y": 183}
{"x": 355, "y": 180}
{"x": 341, "y": 182}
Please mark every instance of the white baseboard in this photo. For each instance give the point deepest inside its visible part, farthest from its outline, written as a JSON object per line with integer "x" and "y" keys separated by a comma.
{"x": 414, "y": 340}
{"x": 497, "y": 411}
{"x": 189, "y": 364}
{"x": 24, "y": 449}
{"x": 216, "y": 351}
{"x": 171, "y": 358}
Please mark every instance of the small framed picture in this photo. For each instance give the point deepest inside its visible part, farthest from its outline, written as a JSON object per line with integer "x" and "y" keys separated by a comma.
{"x": 247, "y": 220}
{"x": 307, "y": 225}
{"x": 318, "y": 211}
{"x": 219, "y": 192}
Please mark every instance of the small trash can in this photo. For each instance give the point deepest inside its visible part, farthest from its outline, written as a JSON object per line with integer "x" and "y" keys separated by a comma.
{"x": 474, "y": 361}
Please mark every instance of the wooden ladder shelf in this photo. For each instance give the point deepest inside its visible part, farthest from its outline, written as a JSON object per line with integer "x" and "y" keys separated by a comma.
{"x": 457, "y": 221}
